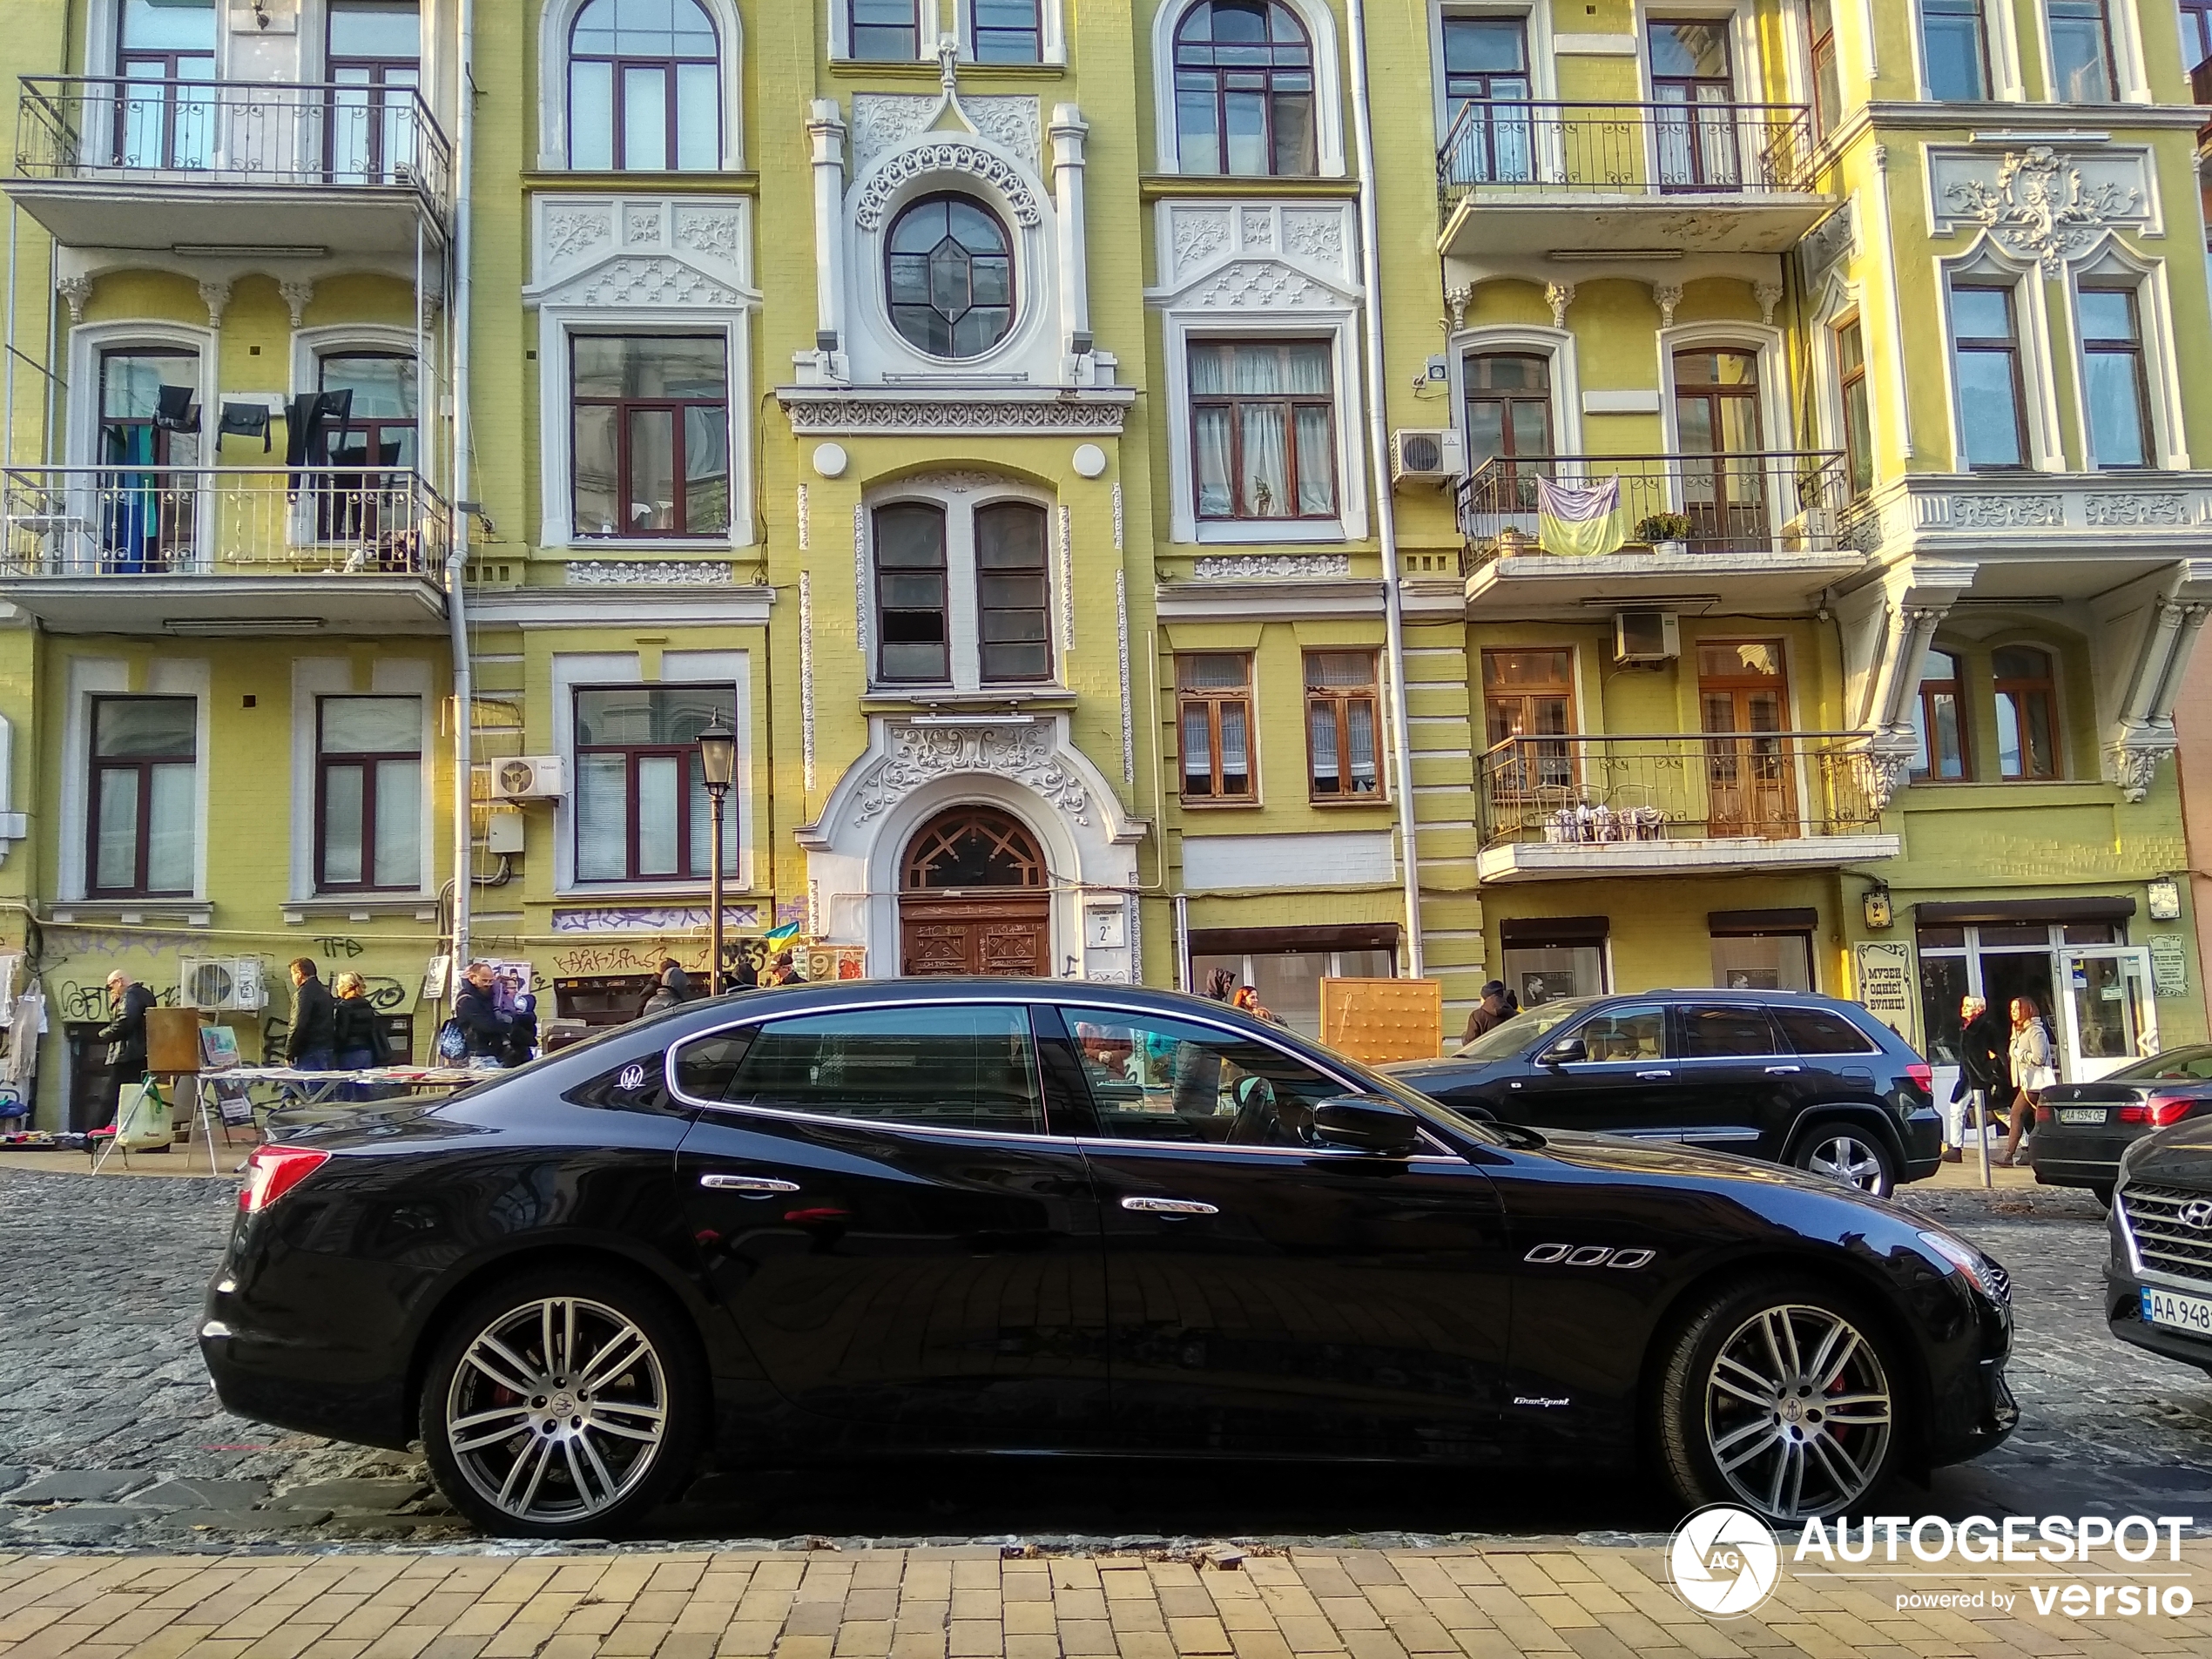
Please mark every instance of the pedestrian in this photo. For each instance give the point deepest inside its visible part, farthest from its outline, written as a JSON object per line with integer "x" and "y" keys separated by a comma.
{"x": 1488, "y": 1013}
{"x": 782, "y": 971}
{"x": 358, "y": 1039}
{"x": 744, "y": 972}
{"x": 1248, "y": 1000}
{"x": 312, "y": 1044}
{"x": 2031, "y": 1054}
{"x": 672, "y": 989}
{"x": 522, "y": 1033}
{"x": 1981, "y": 1074}
{"x": 1221, "y": 984}
{"x": 126, "y": 1036}
{"x": 484, "y": 1029}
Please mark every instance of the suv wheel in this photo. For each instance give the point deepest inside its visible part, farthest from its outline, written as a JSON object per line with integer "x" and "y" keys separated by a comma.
{"x": 1853, "y": 1156}
{"x": 1777, "y": 1396}
{"x": 564, "y": 1403}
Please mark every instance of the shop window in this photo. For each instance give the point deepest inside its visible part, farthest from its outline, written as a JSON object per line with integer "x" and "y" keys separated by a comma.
{"x": 1263, "y": 417}
{"x": 2115, "y": 391}
{"x": 652, "y": 435}
{"x": 1940, "y": 743}
{"x": 1778, "y": 961}
{"x": 1287, "y": 979}
{"x": 1545, "y": 958}
{"x": 641, "y": 803}
{"x": 1985, "y": 360}
{"x": 643, "y": 88}
{"x": 1954, "y": 50}
{"x": 1850, "y": 387}
{"x": 2027, "y": 717}
{"x": 1213, "y": 723}
{"x": 2081, "y": 65}
{"x": 1340, "y": 705}
{"x": 1005, "y": 31}
{"x": 369, "y": 793}
{"x": 144, "y": 797}
{"x": 1243, "y": 90}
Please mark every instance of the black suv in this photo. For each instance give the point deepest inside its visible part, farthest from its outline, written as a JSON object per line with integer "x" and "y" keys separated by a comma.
{"x": 1781, "y": 1075}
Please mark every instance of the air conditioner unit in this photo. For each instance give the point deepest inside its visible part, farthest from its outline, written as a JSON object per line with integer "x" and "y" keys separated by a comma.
{"x": 1646, "y": 636}
{"x": 528, "y": 778}
{"x": 1426, "y": 454}
{"x": 221, "y": 984}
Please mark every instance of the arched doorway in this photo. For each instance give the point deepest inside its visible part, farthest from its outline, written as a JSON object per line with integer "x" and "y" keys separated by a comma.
{"x": 974, "y": 897}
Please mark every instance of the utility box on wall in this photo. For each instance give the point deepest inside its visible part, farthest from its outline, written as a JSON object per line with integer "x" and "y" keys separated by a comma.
{"x": 1381, "y": 1020}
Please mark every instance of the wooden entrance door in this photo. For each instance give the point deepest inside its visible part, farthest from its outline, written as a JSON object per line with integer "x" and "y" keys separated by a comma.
{"x": 1751, "y": 779}
{"x": 975, "y": 898}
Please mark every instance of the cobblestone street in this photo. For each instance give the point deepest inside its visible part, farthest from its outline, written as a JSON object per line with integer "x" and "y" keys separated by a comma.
{"x": 110, "y": 1435}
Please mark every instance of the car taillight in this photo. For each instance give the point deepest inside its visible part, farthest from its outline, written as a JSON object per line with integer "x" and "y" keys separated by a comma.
{"x": 1923, "y": 1077}
{"x": 271, "y": 1172}
{"x": 2159, "y": 1110}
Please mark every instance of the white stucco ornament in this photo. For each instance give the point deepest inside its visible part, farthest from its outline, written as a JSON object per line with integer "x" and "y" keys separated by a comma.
{"x": 1090, "y": 460}
{"x": 830, "y": 459}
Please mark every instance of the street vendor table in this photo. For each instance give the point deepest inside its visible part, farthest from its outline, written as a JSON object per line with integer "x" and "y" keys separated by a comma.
{"x": 293, "y": 1088}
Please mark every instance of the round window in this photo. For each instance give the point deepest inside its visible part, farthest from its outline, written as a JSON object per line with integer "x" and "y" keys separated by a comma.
{"x": 950, "y": 277}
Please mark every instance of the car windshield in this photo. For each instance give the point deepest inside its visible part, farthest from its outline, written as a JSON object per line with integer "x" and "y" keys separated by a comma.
{"x": 1516, "y": 1033}
{"x": 2176, "y": 1065}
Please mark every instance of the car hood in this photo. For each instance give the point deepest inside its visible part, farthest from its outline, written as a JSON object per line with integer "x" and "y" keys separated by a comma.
{"x": 1446, "y": 1073}
{"x": 2181, "y": 1154}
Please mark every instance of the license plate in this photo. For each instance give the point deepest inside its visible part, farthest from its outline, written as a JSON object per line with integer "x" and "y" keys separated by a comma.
{"x": 2081, "y": 1114}
{"x": 2190, "y": 1313}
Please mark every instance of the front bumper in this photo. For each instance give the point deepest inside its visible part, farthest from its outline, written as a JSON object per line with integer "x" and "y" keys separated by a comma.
{"x": 2124, "y": 1318}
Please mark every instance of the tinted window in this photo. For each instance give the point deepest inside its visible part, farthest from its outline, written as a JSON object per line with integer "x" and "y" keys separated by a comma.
{"x": 2194, "y": 1064}
{"x": 1822, "y": 1031}
{"x": 1519, "y": 1032}
{"x": 1154, "y": 1078}
{"x": 1622, "y": 1034}
{"x": 948, "y": 1067}
{"x": 1727, "y": 1029}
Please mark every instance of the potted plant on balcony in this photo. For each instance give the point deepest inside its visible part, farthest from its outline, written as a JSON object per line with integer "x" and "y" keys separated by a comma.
{"x": 1664, "y": 532}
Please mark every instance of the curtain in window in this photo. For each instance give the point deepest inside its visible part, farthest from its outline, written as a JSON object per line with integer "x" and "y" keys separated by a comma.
{"x": 399, "y": 823}
{"x": 1198, "y": 745}
{"x": 1236, "y": 752}
{"x": 1321, "y": 727}
{"x": 659, "y": 777}
{"x": 1361, "y": 723}
{"x": 602, "y": 818}
{"x": 169, "y": 830}
{"x": 116, "y": 861}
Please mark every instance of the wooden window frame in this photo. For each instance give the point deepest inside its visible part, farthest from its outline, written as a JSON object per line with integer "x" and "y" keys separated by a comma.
{"x": 2008, "y": 345}
{"x": 1212, "y": 700}
{"x": 2105, "y": 43}
{"x": 367, "y": 761}
{"x": 1851, "y": 384}
{"x": 1232, "y": 403}
{"x": 98, "y": 767}
{"x": 885, "y": 610}
{"x": 2132, "y": 348}
{"x": 1282, "y": 61}
{"x": 1521, "y": 699}
{"x": 2025, "y": 693}
{"x": 1339, "y": 701}
{"x": 978, "y": 31}
{"x": 1955, "y": 688}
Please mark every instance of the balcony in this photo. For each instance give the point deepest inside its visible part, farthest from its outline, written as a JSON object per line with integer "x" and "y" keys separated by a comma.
{"x": 157, "y": 165}
{"x": 1766, "y": 530}
{"x": 1562, "y": 808}
{"x": 222, "y": 549}
{"x": 1542, "y": 179}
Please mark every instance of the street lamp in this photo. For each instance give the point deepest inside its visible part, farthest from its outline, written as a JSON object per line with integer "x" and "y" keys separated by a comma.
{"x": 718, "y": 763}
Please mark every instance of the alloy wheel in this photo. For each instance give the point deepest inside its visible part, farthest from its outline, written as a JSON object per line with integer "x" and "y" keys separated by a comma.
{"x": 1848, "y": 1159}
{"x": 1797, "y": 1412}
{"x": 557, "y": 1410}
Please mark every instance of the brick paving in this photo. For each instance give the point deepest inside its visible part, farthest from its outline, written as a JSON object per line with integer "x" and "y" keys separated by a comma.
{"x": 1549, "y": 1598}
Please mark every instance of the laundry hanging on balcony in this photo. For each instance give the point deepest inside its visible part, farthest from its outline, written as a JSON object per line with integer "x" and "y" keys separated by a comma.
{"x": 245, "y": 420}
{"x": 1579, "y": 521}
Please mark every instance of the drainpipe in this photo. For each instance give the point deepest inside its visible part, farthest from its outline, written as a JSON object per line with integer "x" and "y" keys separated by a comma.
{"x": 464, "y": 741}
{"x": 1363, "y": 130}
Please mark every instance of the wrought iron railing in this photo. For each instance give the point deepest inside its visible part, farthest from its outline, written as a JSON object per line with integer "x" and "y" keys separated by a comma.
{"x": 1773, "y": 499}
{"x": 1765, "y": 786}
{"x": 224, "y": 132}
{"x": 1507, "y": 148}
{"x": 125, "y": 521}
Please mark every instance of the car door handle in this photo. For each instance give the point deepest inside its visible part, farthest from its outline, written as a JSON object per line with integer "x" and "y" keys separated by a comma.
{"x": 1783, "y": 1071}
{"x": 1169, "y": 1206}
{"x": 1649, "y": 1077}
{"x": 753, "y": 1186}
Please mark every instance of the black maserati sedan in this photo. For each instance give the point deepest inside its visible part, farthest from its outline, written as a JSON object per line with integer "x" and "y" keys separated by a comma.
{"x": 2158, "y": 1283}
{"x": 1053, "y": 1216}
{"x": 2083, "y": 1129}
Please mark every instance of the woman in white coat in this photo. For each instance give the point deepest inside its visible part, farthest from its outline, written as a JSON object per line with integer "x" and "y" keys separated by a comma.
{"x": 2033, "y": 1071}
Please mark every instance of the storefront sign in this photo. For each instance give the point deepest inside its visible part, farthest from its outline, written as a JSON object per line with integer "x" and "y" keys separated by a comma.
{"x": 2169, "y": 964}
{"x": 1886, "y": 983}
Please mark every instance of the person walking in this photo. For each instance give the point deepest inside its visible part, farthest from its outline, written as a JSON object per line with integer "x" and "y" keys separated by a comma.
{"x": 1982, "y": 1071}
{"x": 357, "y": 1035}
{"x": 1248, "y": 1000}
{"x": 1489, "y": 1012}
{"x": 312, "y": 1044}
{"x": 782, "y": 971}
{"x": 1221, "y": 985}
{"x": 2032, "y": 1072}
{"x": 126, "y": 1036}
{"x": 485, "y": 1031}
{"x": 672, "y": 989}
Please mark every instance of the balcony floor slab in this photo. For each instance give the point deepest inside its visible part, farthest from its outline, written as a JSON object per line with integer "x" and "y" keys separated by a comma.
{"x": 1517, "y": 224}
{"x": 1533, "y": 585}
{"x": 162, "y": 211}
{"x": 1573, "y": 860}
{"x": 218, "y": 604}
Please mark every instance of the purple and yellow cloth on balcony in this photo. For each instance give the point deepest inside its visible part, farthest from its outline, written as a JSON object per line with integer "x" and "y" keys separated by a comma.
{"x": 1579, "y": 521}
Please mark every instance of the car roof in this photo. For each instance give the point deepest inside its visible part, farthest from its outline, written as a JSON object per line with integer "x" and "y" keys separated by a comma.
{"x": 801, "y": 995}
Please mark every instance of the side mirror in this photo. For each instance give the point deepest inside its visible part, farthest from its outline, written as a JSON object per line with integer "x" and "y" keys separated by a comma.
{"x": 1565, "y": 1052}
{"x": 1367, "y": 1123}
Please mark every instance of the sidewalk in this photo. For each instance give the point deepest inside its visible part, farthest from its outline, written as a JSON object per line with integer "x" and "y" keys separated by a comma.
{"x": 1578, "y": 1601}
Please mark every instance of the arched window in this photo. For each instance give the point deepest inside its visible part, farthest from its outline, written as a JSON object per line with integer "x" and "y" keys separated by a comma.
{"x": 1509, "y": 417}
{"x": 949, "y": 273}
{"x": 974, "y": 846}
{"x": 963, "y": 596}
{"x": 1243, "y": 90}
{"x": 644, "y": 93}
{"x": 2027, "y": 711}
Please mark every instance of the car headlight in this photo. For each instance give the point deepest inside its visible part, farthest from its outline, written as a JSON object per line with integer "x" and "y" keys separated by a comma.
{"x": 1985, "y": 1275}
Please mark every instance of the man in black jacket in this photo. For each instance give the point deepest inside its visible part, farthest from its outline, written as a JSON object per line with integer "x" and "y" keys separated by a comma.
{"x": 476, "y": 1008}
{"x": 126, "y": 1036}
{"x": 1984, "y": 1066}
{"x": 312, "y": 1043}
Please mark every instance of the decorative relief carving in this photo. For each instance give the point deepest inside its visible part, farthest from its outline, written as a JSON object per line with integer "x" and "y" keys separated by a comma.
{"x": 76, "y": 290}
{"x": 1067, "y": 582}
{"x": 805, "y": 518}
{"x": 656, "y": 281}
{"x": 2007, "y": 512}
{"x": 650, "y": 573}
{"x": 806, "y": 672}
{"x": 1258, "y": 226}
{"x": 2131, "y": 511}
{"x": 919, "y": 755}
{"x": 1128, "y": 711}
{"x": 883, "y": 121}
{"x": 1456, "y": 301}
{"x": 1558, "y": 296}
{"x": 571, "y": 232}
{"x": 1202, "y": 234}
{"x": 1275, "y": 566}
{"x": 1834, "y": 237}
{"x": 860, "y": 581}
{"x": 1252, "y": 285}
{"x": 216, "y": 296}
{"x": 822, "y": 417}
{"x": 641, "y": 226}
{"x": 1769, "y": 294}
{"x": 712, "y": 232}
{"x": 1667, "y": 296}
{"x": 1117, "y": 516}
{"x": 640, "y": 250}
{"x": 1882, "y": 772}
{"x": 2133, "y": 766}
{"x": 955, "y": 481}
{"x": 297, "y": 296}
{"x": 1319, "y": 237}
{"x": 1198, "y": 238}
{"x": 2040, "y": 204}
{"x": 951, "y": 155}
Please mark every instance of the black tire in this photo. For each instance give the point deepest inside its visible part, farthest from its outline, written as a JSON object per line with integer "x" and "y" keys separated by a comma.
{"x": 1843, "y": 1436}
{"x": 579, "y": 1462}
{"x": 1846, "y": 1151}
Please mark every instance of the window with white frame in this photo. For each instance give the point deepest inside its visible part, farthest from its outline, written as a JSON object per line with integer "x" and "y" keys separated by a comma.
{"x": 2115, "y": 381}
{"x": 1006, "y": 31}
{"x": 143, "y": 794}
{"x": 1954, "y": 50}
{"x": 651, "y": 434}
{"x": 642, "y": 810}
{"x": 883, "y": 31}
{"x": 368, "y": 794}
{"x": 963, "y": 593}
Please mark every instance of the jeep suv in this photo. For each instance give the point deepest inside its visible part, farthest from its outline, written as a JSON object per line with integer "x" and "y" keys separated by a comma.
{"x": 1793, "y": 1078}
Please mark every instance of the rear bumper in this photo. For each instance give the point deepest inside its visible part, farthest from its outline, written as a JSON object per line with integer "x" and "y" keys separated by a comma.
{"x": 2071, "y": 1158}
{"x": 1923, "y": 1137}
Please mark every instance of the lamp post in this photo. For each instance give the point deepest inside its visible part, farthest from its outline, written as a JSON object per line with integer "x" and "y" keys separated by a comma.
{"x": 718, "y": 763}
